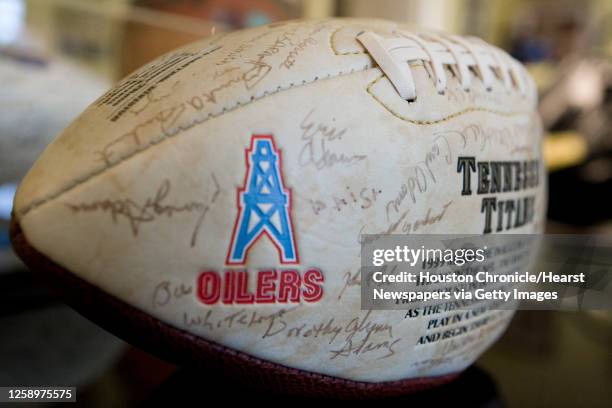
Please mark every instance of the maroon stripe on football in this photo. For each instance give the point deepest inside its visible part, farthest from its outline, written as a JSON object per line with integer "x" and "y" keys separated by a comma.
{"x": 180, "y": 347}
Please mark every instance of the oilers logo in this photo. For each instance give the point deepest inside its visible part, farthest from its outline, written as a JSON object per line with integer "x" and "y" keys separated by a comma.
{"x": 264, "y": 208}
{"x": 264, "y": 205}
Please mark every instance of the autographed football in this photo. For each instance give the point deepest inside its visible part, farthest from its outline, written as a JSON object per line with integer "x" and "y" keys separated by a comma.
{"x": 209, "y": 208}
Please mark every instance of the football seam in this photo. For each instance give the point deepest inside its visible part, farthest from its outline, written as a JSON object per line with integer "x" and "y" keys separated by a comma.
{"x": 444, "y": 119}
{"x": 179, "y": 130}
{"x": 332, "y": 44}
{"x": 237, "y": 104}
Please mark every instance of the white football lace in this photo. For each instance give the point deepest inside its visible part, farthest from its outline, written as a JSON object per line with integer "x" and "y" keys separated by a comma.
{"x": 393, "y": 55}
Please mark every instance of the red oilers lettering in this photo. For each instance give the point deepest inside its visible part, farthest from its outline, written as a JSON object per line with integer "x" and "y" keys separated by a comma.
{"x": 263, "y": 209}
{"x": 272, "y": 286}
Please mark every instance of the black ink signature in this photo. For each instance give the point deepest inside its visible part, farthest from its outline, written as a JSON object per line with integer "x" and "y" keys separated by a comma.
{"x": 165, "y": 119}
{"x": 349, "y": 281}
{"x": 251, "y": 77}
{"x": 421, "y": 176}
{"x": 151, "y": 209}
{"x": 165, "y": 292}
{"x": 273, "y": 322}
{"x": 367, "y": 328}
{"x": 316, "y": 151}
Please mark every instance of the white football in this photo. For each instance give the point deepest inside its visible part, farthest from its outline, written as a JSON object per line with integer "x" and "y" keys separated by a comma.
{"x": 209, "y": 207}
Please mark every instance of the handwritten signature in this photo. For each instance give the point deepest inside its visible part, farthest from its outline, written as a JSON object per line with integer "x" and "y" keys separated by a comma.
{"x": 422, "y": 175}
{"x": 350, "y": 280}
{"x": 151, "y": 209}
{"x": 317, "y": 137}
{"x": 165, "y": 292}
{"x": 239, "y": 318}
{"x": 250, "y": 77}
{"x": 164, "y": 120}
{"x": 152, "y": 97}
{"x": 360, "y": 335}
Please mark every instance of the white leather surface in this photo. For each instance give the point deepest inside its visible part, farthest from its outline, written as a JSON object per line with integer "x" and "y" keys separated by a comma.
{"x": 304, "y": 83}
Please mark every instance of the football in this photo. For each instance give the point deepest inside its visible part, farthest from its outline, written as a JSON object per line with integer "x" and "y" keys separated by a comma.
{"x": 209, "y": 208}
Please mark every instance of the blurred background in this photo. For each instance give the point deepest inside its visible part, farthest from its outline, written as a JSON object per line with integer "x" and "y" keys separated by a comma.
{"x": 57, "y": 56}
